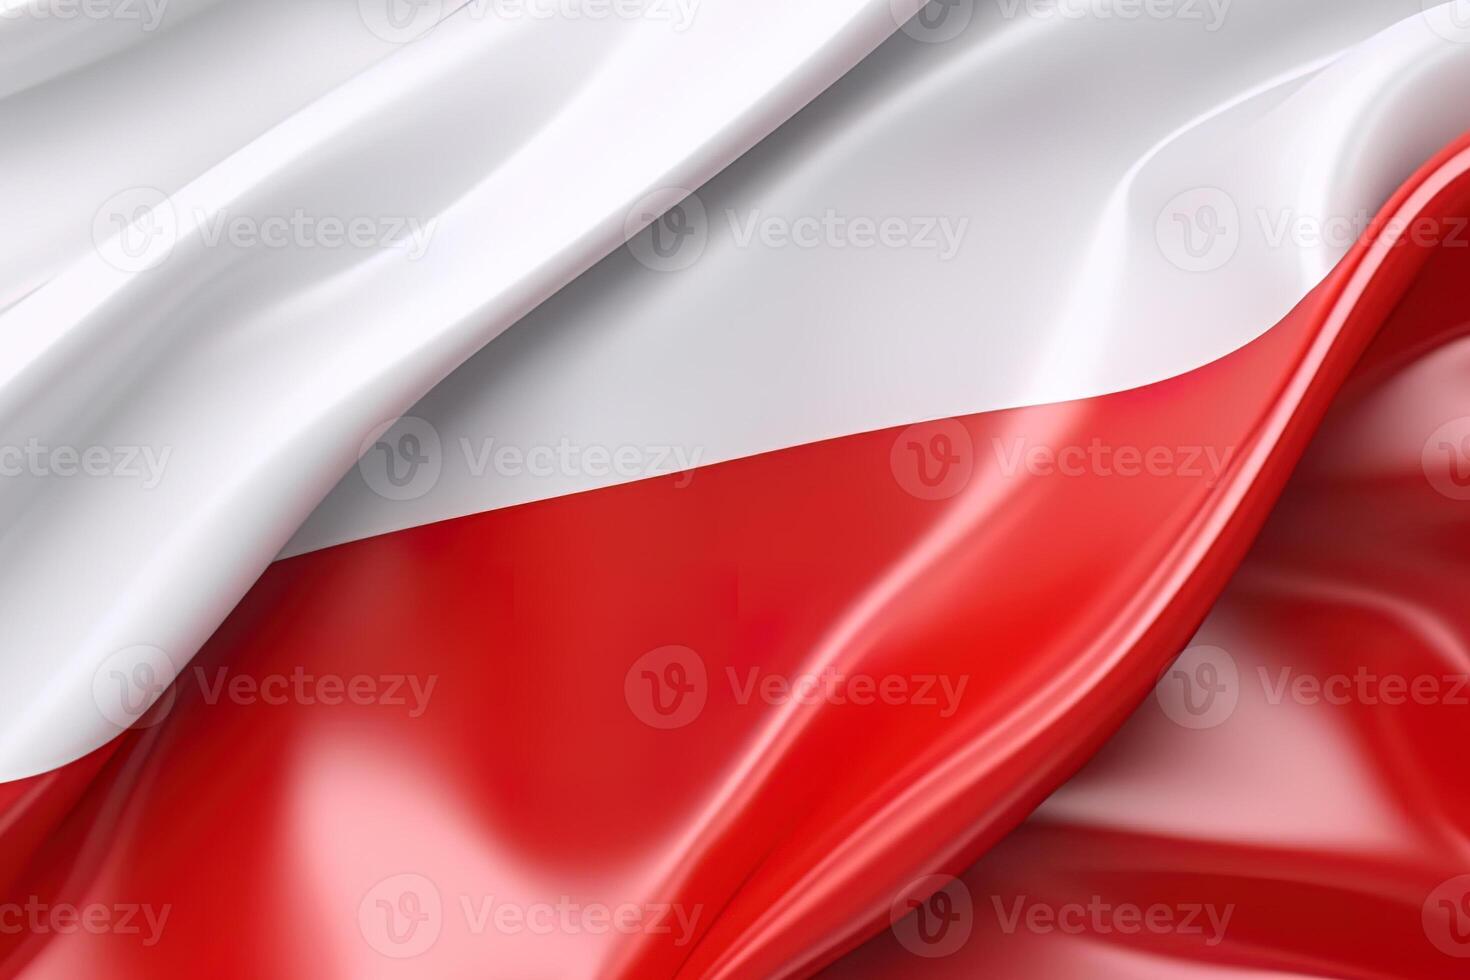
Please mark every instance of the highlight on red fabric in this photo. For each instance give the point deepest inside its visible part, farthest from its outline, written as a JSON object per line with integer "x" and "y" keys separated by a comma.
{"x": 1290, "y": 798}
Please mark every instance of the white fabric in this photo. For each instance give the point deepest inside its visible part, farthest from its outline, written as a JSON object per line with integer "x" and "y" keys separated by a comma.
{"x": 1054, "y": 147}
{"x": 258, "y": 371}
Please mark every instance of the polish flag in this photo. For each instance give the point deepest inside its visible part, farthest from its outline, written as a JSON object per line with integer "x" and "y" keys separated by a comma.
{"x": 734, "y": 488}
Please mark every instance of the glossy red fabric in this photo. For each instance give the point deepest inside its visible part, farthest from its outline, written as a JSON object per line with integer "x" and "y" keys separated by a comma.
{"x": 1317, "y": 801}
{"x": 560, "y": 739}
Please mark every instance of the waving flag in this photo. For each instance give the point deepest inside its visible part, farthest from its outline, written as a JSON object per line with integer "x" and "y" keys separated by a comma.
{"x": 696, "y": 488}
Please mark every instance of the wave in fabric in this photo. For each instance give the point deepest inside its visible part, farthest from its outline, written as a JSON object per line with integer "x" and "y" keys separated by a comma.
{"x": 1287, "y": 801}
